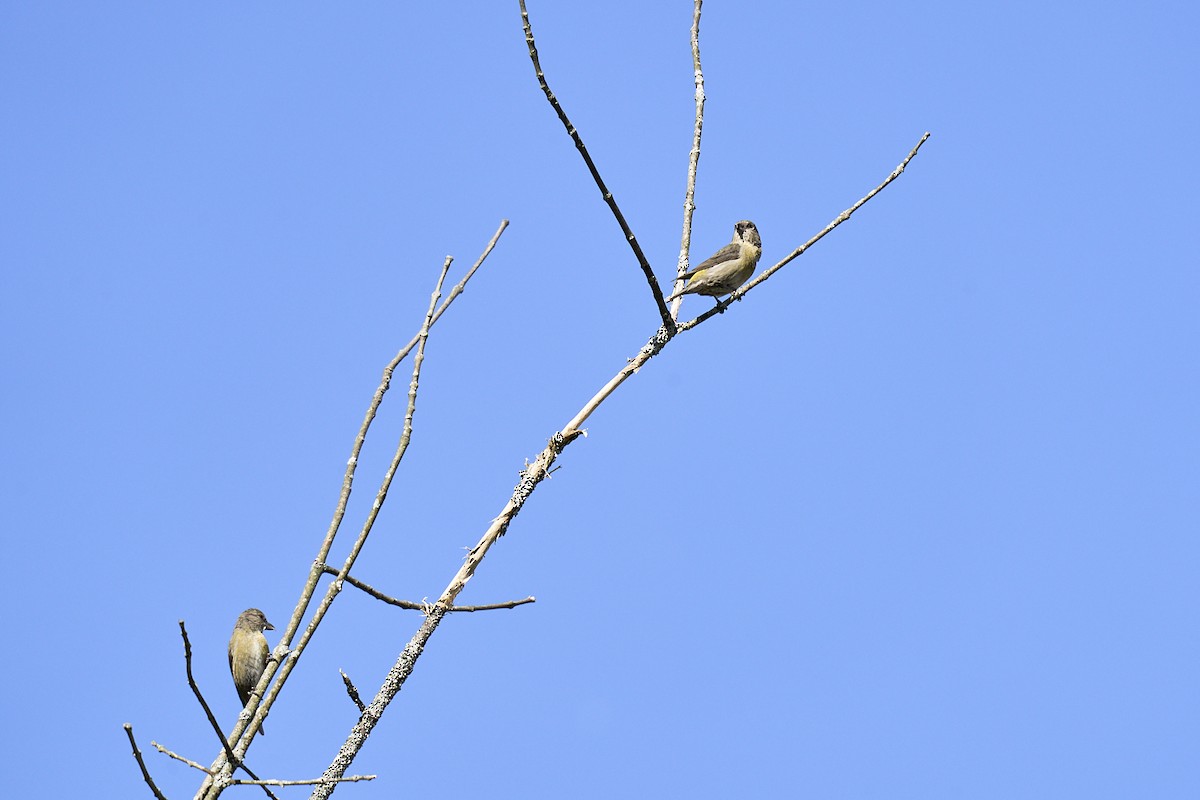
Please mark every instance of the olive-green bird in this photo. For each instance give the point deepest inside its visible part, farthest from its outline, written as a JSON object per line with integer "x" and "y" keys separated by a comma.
{"x": 248, "y": 651}
{"x": 728, "y": 268}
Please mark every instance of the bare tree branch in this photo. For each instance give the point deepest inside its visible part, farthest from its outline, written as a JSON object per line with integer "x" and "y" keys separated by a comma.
{"x": 424, "y": 606}
{"x": 838, "y": 220}
{"x": 352, "y": 690}
{"x": 212, "y": 719}
{"x": 689, "y": 195}
{"x": 255, "y": 780}
{"x": 177, "y": 757}
{"x": 352, "y": 463}
{"x": 208, "y": 713}
{"x": 369, "y": 717}
{"x": 492, "y": 606}
{"x": 309, "y": 782}
{"x": 137, "y": 754}
{"x": 667, "y": 320}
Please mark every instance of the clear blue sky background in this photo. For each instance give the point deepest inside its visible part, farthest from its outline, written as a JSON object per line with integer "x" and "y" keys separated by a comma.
{"x": 917, "y": 519}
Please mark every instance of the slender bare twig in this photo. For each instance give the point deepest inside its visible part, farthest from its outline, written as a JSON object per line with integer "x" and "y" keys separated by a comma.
{"x": 492, "y": 606}
{"x": 309, "y": 782}
{"x": 392, "y": 684}
{"x": 360, "y": 439}
{"x": 414, "y": 606}
{"x": 212, "y": 719}
{"x": 209, "y": 772}
{"x": 845, "y": 215}
{"x": 369, "y": 717}
{"x": 838, "y": 220}
{"x": 689, "y": 195}
{"x": 339, "y": 512}
{"x": 254, "y": 781}
{"x": 177, "y": 757}
{"x": 257, "y": 781}
{"x": 137, "y": 754}
{"x": 401, "y": 447}
{"x": 667, "y": 320}
{"x": 352, "y": 690}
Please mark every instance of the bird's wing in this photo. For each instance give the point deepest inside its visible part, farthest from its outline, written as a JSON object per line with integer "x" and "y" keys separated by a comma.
{"x": 729, "y": 252}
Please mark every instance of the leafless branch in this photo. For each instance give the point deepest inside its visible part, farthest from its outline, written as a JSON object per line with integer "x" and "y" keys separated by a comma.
{"x": 360, "y": 439}
{"x": 254, "y": 779}
{"x": 177, "y": 757}
{"x": 667, "y": 320}
{"x": 414, "y": 606}
{"x": 838, "y": 220}
{"x": 352, "y": 690}
{"x": 137, "y": 754}
{"x": 212, "y": 719}
{"x": 310, "y": 782}
{"x": 689, "y": 195}
{"x": 492, "y": 606}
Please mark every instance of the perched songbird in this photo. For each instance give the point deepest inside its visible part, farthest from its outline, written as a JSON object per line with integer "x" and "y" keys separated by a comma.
{"x": 728, "y": 268}
{"x": 248, "y": 652}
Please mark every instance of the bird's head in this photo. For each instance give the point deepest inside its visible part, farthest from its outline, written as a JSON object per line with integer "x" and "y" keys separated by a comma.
{"x": 745, "y": 231}
{"x": 254, "y": 620}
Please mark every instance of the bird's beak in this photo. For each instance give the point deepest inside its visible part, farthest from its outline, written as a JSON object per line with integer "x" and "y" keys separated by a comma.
{"x": 269, "y": 627}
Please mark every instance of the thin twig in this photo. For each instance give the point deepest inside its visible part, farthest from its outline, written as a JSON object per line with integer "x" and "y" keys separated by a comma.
{"x": 255, "y": 780}
{"x": 414, "y": 606}
{"x": 392, "y": 684}
{"x": 212, "y": 719}
{"x": 838, "y": 220}
{"x": 177, "y": 757}
{"x": 137, "y": 754}
{"x": 492, "y": 606}
{"x": 339, "y": 512}
{"x": 667, "y": 320}
{"x": 325, "y": 788}
{"x": 689, "y": 195}
{"x": 360, "y": 439}
{"x": 352, "y": 690}
{"x": 310, "y": 782}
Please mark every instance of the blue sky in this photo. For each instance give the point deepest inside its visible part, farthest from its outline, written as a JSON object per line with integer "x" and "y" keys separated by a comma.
{"x": 915, "y": 519}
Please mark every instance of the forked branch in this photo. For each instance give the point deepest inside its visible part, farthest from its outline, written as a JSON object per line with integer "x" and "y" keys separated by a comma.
{"x": 284, "y": 657}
